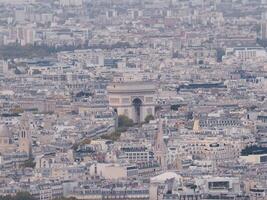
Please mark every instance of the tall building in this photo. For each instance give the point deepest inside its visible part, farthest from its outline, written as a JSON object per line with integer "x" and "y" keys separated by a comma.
{"x": 196, "y": 125}
{"x": 160, "y": 147}
{"x": 25, "y": 35}
{"x": 25, "y": 141}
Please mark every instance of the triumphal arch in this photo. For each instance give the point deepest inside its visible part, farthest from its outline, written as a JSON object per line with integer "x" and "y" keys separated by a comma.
{"x": 134, "y": 99}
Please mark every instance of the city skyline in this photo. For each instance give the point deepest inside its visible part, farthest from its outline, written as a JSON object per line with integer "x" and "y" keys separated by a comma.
{"x": 133, "y": 100}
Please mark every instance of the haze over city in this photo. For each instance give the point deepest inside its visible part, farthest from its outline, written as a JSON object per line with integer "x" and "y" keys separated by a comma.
{"x": 133, "y": 99}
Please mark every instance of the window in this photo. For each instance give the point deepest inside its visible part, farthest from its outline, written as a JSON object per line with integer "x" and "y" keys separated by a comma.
{"x": 219, "y": 185}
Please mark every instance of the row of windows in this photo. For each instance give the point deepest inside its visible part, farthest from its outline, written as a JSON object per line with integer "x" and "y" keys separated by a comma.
{"x": 219, "y": 122}
{"x": 246, "y": 54}
{"x": 136, "y": 153}
{"x": 137, "y": 158}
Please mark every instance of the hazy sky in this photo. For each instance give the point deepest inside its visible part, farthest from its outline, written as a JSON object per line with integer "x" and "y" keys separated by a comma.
{"x": 13, "y": 1}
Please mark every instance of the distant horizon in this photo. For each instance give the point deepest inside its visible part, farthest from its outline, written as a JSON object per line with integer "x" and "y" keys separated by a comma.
{"x": 13, "y": 1}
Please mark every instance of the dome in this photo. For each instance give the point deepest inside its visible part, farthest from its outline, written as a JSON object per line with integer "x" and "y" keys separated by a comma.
{"x": 4, "y": 132}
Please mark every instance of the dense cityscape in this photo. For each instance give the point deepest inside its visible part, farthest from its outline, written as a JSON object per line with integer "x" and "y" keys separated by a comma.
{"x": 133, "y": 99}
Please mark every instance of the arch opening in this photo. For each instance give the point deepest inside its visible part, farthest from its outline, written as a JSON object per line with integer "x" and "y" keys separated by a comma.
{"x": 137, "y": 103}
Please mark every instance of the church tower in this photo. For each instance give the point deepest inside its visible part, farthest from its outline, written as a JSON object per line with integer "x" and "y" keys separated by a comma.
{"x": 160, "y": 147}
{"x": 25, "y": 140}
{"x": 196, "y": 125}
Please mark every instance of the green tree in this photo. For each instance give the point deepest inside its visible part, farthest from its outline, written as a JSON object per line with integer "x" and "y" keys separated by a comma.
{"x": 18, "y": 196}
{"x": 113, "y": 136}
{"x": 8, "y": 197}
{"x": 175, "y": 107}
{"x": 149, "y": 118}
{"x": 24, "y": 196}
{"x": 29, "y": 163}
{"x": 124, "y": 122}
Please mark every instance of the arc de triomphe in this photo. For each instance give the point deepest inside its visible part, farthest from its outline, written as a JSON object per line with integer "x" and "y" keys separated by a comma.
{"x": 136, "y": 100}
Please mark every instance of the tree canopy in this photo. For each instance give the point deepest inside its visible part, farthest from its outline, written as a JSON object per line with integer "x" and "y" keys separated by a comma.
{"x": 28, "y": 196}
{"x": 124, "y": 122}
{"x": 113, "y": 136}
{"x": 29, "y": 163}
{"x": 149, "y": 118}
{"x": 18, "y": 196}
